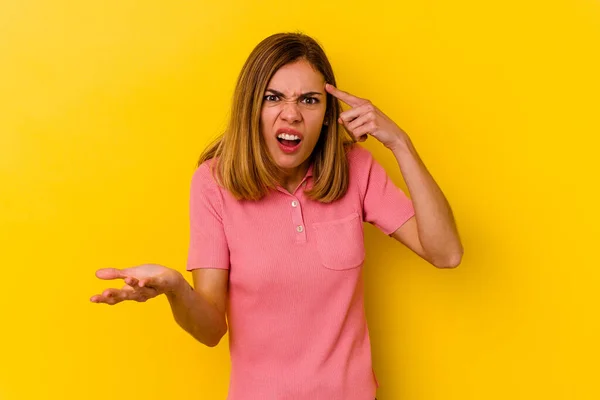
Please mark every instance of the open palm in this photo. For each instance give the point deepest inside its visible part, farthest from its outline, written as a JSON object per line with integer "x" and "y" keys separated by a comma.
{"x": 141, "y": 283}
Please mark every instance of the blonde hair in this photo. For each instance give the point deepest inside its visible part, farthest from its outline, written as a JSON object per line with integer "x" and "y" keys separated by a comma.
{"x": 243, "y": 164}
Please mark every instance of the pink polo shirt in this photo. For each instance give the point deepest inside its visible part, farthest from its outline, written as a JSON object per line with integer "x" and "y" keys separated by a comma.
{"x": 297, "y": 326}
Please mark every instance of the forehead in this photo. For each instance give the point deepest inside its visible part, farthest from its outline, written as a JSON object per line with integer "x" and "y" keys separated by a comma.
{"x": 297, "y": 77}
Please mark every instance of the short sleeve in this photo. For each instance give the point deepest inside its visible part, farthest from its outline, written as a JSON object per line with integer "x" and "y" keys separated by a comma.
{"x": 385, "y": 205}
{"x": 208, "y": 244}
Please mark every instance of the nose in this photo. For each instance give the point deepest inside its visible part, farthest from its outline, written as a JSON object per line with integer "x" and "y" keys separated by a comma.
{"x": 290, "y": 112}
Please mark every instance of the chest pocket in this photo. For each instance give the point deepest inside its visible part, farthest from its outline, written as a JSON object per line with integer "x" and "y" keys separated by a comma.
{"x": 340, "y": 242}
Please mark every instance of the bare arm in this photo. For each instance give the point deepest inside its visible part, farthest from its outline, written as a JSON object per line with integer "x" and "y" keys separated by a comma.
{"x": 201, "y": 310}
{"x": 432, "y": 234}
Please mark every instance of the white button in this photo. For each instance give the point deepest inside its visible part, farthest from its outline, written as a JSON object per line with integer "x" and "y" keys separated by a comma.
{"x": 299, "y": 228}
{"x": 294, "y": 203}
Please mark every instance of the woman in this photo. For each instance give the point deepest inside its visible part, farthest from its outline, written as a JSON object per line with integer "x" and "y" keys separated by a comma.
{"x": 276, "y": 240}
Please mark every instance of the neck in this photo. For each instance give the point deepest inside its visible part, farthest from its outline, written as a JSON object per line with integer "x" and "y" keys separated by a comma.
{"x": 291, "y": 178}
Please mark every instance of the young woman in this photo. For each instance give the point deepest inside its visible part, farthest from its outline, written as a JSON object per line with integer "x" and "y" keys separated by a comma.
{"x": 276, "y": 241}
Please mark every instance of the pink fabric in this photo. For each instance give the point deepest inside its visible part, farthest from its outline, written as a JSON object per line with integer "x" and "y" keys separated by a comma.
{"x": 297, "y": 326}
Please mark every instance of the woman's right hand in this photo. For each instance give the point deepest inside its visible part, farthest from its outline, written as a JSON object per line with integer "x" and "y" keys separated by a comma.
{"x": 141, "y": 283}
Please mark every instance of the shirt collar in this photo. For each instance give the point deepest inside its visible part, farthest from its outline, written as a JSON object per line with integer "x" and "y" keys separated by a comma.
{"x": 310, "y": 171}
{"x": 305, "y": 181}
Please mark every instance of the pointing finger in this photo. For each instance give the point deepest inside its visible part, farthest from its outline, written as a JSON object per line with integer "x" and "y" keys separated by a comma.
{"x": 346, "y": 97}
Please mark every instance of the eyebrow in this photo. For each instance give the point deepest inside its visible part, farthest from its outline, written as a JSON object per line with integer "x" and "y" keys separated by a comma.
{"x": 302, "y": 95}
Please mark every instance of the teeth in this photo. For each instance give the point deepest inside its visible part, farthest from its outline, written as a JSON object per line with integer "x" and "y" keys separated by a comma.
{"x": 287, "y": 137}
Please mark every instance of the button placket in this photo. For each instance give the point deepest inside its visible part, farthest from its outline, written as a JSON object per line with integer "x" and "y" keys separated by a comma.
{"x": 298, "y": 221}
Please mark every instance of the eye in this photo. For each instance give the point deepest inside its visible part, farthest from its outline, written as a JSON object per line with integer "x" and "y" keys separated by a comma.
{"x": 311, "y": 100}
{"x": 270, "y": 97}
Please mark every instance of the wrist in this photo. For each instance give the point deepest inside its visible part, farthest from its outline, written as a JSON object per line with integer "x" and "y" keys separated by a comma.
{"x": 177, "y": 285}
{"x": 401, "y": 144}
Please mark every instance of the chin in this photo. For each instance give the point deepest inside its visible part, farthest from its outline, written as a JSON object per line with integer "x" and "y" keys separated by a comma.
{"x": 287, "y": 162}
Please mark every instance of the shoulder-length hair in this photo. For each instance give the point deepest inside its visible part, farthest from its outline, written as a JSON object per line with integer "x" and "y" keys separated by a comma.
{"x": 243, "y": 164}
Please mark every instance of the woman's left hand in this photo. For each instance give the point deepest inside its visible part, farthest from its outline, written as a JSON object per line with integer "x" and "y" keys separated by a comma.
{"x": 365, "y": 119}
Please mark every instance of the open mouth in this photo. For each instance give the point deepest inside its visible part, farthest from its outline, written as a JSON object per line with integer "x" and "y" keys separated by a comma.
{"x": 289, "y": 140}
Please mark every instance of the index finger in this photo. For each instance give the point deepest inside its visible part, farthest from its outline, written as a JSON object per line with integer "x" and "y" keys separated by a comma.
{"x": 344, "y": 96}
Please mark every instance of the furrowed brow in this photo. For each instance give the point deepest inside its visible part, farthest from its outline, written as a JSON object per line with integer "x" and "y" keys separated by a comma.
{"x": 275, "y": 92}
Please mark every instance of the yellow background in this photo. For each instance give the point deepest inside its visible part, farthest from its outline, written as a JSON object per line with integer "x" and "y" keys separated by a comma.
{"x": 105, "y": 106}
